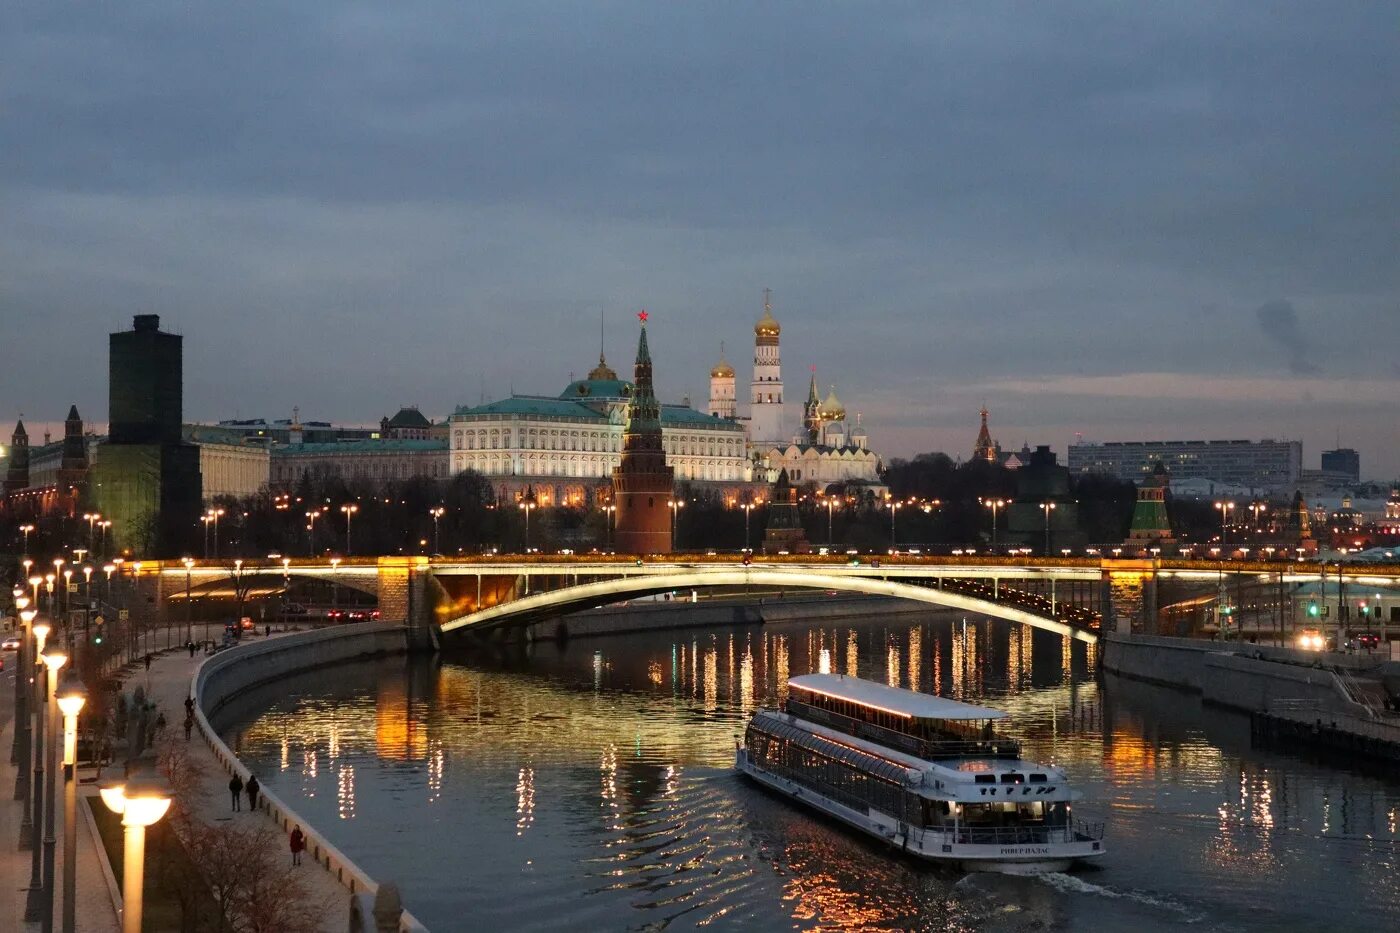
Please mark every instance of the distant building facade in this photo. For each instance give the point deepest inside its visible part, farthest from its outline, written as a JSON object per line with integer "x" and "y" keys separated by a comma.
{"x": 1343, "y": 461}
{"x": 375, "y": 461}
{"x": 1266, "y": 464}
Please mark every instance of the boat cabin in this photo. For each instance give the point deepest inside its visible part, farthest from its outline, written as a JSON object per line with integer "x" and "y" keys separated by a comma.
{"x": 928, "y": 727}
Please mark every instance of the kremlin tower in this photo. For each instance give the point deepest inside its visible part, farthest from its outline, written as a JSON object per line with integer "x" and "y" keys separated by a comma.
{"x": 766, "y": 415}
{"x": 643, "y": 483}
{"x": 985, "y": 448}
{"x": 17, "y": 476}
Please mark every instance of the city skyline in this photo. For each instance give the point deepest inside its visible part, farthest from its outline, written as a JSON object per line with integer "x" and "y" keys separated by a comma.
{"x": 1197, "y": 245}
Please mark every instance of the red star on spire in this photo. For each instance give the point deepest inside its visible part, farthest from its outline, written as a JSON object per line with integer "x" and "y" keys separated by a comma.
{"x": 642, "y": 316}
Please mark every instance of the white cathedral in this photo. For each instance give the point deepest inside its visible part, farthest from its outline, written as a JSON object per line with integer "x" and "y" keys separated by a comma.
{"x": 826, "y": 450}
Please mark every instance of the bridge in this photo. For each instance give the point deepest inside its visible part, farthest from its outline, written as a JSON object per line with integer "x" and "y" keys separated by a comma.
{"x": 1074, "y": 597}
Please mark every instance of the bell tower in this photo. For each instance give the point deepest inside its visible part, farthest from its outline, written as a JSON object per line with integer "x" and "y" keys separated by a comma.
{"x": 766, "y": 412}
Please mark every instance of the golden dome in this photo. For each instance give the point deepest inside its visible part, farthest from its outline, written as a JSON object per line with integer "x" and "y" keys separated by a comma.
{"x": 722, "y": 370}
{"x": 832, "y": 409}
{"x": 767, "y": 325}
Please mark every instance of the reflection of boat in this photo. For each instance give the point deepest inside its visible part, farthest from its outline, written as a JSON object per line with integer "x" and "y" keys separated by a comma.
{"x": 921, "y": 772}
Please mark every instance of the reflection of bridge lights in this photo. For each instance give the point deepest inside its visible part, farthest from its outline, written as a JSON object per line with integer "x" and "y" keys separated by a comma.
{"x": 333, "y": 744}
{"x": 892, "y": 666}
{"x": 345, "y": 792}
{"x": 852, "y": 653}
{"x": 654, "y": 673}
{"x": 597, "y": 670}
{"x": 437, "y": 760}
{"x": 824, "y": 662}
{"x": 916, "y": 656}
{"x": 524, "y": 800}
{"x": 780, "y": 666}
{"x": 286, "y": 757}
{"x": 746, "y": 698}
{"x": 711, "y": 698}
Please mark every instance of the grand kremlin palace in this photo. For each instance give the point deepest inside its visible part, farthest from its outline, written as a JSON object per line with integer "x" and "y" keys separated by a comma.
{"x": 564, "y": 448}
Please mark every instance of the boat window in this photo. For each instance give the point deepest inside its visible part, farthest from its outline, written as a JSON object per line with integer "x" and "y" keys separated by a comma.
{"x": 1011, "y": 777}
{"x": 985, "y": 779}
{"x": 1037, "y": 779}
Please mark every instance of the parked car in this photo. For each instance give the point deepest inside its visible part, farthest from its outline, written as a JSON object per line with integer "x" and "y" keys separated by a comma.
{"x": 1368, "y": 640}
{"x": 10, "y": 644}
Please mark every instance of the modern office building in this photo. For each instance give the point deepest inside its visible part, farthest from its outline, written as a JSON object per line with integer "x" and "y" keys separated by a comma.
{"x": 1343, "y": 461}
{"x": 146, "y": 479}
{"x": 1266, "y": 464}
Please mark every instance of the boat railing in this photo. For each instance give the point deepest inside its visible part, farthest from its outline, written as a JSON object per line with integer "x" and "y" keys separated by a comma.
{"x": 927, "y": 749}
{"x": 1078, "y": 831}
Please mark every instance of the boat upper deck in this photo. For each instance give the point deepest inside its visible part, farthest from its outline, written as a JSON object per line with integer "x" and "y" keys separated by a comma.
{"x": 897, "y": 701}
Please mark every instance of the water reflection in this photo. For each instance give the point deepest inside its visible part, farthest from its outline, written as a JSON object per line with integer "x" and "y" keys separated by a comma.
{"x": 589, "y": 785}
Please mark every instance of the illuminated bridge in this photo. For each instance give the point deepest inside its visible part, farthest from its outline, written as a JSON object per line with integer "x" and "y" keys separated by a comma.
{"x": 1070, "y": 596}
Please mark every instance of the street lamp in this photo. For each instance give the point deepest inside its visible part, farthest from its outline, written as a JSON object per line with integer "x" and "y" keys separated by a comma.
{"x": 527, "y": 506}
{"x": 54, "y": 658}
{"x": 189, "y": 621}
{"x": 748, "y": 508}
{"x": 206, "y": 518}
{"x": 335, "y": 582}
{"x": 105, "y": 524}
{"x": 1225, "y": 509}
{"x": 675, "y": 505}
{"x": 215, "y": 514}
{"x": 141, "y": 801}
{"x": 1047, "y": 508}
{"x": 437, "y": 512}
{"x": 608, "y": 511}
{"x": 1255, "y": 508}
{"x": 91, "y": 518}
{"x": 349, "y": 511}
{"x": 893, "y": 506}
{"x": 311, "y": 531}
{"x": 831, "y": 503}
{"x": 25, "y": 530}
{"x": 71, "y": 697}
{"x": 995, "y": 504}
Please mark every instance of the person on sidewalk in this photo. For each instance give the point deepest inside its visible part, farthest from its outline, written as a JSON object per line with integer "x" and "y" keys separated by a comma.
{"x": 191, "y": 647}
{"x": 148, "y": 662}
{"x": 253, "y": 788}
{"x": 189, "y": 725}
{"x": 235, "y": 787}
{"x": 189, "y": 706}
{"x": 297, "y": 842}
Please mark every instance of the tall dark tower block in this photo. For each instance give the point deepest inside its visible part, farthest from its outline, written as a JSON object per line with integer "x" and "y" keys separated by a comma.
{"x": 146, "y": 368}
{"x": 643, "y": 483}
{"x": 147, "y": 480}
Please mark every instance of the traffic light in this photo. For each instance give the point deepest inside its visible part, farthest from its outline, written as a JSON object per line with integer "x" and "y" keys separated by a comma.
{"x": 97, "y": 635}
{"x": 1313, "y": 610}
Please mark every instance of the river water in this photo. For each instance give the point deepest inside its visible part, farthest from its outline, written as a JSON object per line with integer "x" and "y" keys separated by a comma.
{"x": 589, "y": 786}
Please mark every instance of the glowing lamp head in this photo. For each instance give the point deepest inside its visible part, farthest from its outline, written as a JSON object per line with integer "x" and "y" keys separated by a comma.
{"x": 27, "y": 615}
{"x": 54, "y": 658}
{"x": 113, "y": 794}
{"x": 35, "y": 580}
{"x": 72, "y": 695}
{"x": 146, "y": 798}
{"x": 41, "y": 630}
{"x": 21, "y": 602}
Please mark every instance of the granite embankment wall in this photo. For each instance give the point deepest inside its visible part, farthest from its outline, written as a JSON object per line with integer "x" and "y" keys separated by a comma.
{"x": 230, "y": 673}
{"x": 650, "y": 616}
{"x": 1242, "y": 678}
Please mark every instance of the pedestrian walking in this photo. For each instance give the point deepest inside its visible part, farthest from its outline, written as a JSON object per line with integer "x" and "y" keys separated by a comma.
{"x": 235, "y": 788}
{"x": 189, "y": 706}
{"x": 296, "y": 842}
{"x": 267, "y": 630}
{"x": 148, "y": 662}
{"x": 160, "y": 725}
{"x": 189, "y": 725}
{"x": 253, "y": 788}
{"x": 191, "y": 647}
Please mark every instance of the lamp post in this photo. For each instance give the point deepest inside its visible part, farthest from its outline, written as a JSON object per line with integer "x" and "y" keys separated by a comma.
{"x": 1225, "y": 509}
{"x": 830, "y": 506}
{"x": 893, "y": 506}
{"x": 609, "y": 510}
{"x": 1048, "y": 508}
{"x": 1255, "y": 508}
{"x": 748, "y": 508}
{"x": 437, "y": 512}
{"x": 71, "y": 697}
{"x": 54, "y": 658}
{"x": 216, "y": 514}
{"x": 311, "y": 531}
{"x": 348, "y": 510}
{"x": 141, "y": 801}
{"x": 189, "y": 605}
{"x": 675, "y": 505}
{"x": 994, "y": 504}
{"x": 335, "y": 583}
{"x": 33, "y": 904}
{"x": 91, "y": 518}
{"x": 206, "y": 518}
{"x": 105, "y": 524}
{"x": 25, "y": 530}
{"x": 527, "y": 507}
{"x": 23, "y": 746}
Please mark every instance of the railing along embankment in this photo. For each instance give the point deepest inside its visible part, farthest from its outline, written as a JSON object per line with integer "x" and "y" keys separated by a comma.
{"x": 230, "y": 673}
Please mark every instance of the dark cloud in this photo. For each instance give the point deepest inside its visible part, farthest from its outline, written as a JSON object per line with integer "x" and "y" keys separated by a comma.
{"x": 1279, "y": 321}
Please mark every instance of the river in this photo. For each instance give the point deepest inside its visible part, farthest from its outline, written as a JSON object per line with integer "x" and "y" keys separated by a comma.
{"x": 588, "y": 785}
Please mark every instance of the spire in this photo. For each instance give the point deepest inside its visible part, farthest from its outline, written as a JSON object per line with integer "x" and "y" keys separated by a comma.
{"x": 643, "y": 352}
{"x": 812, "y": 397}
{"x": 984, "y": 449}
{"x": 20, "y": 432}
{"x": 73, "y": 413}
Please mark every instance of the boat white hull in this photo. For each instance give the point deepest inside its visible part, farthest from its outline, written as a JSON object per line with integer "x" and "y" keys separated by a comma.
{"x": 1030, "y": 859}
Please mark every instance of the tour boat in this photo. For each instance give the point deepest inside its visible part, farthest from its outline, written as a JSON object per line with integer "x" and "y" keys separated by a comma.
{"x": 925, "y": 774}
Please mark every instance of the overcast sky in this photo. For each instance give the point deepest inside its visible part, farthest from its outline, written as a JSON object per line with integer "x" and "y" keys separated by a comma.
{"x": 1125, "y": 220}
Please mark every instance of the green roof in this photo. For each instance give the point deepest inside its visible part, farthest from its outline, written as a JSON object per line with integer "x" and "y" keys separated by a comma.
{"x": 598, "y": 388}
{"x": 361, "y": 447}
{"x": 535, "y": 405}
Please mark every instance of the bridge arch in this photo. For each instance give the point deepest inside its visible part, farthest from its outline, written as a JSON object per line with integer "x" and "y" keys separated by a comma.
{"x": 538, "y": 606}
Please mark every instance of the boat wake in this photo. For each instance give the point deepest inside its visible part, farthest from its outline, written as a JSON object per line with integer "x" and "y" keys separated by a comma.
{"x": 1069, "y": 884}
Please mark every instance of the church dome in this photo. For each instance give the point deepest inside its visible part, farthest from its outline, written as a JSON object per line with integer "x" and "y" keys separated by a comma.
{"x": 767, "y": 325}
{"x": 832, "y": 409}
{"x": 602, "y": 372}
{"x": 722, "y": 370}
